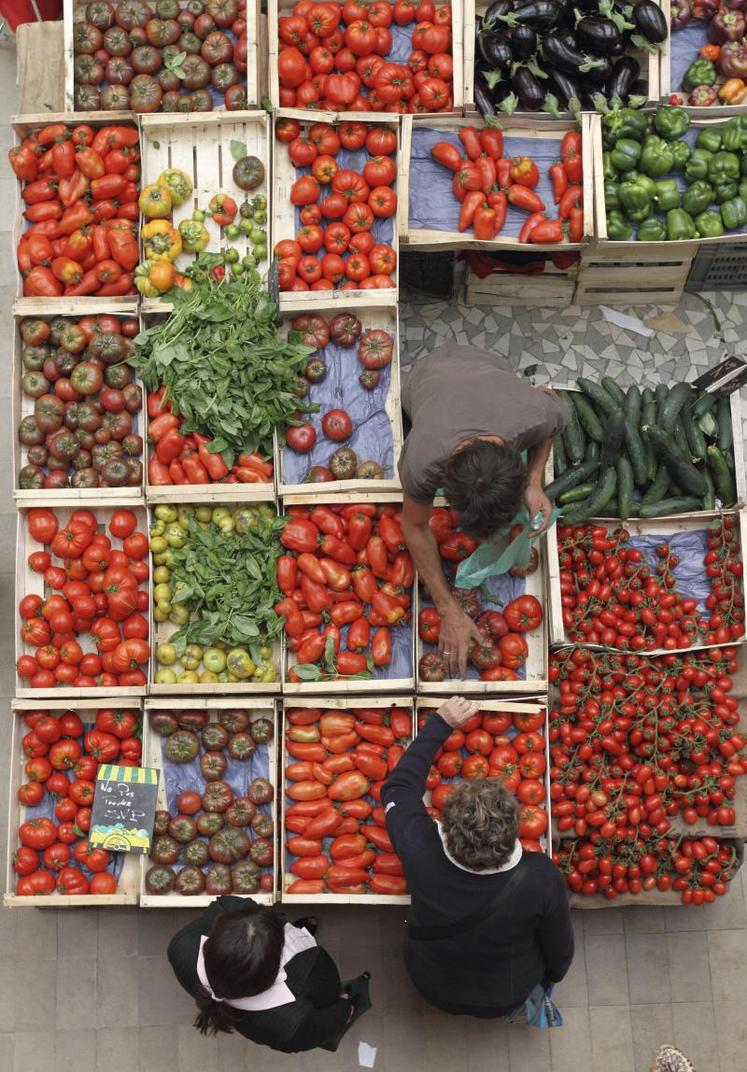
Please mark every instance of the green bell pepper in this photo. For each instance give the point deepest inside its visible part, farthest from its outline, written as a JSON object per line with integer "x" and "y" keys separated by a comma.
{"x": 742, "y": 191}
{"x": 709, "y": 139}
{"x": 618, "y": 228}
{"x": 723, "y": 167}
{"x": 734, "y": 134}
{"x": 700, "y": 73}
{"x": 624, "y": 123}
{"x": 652, "y": 230}
{"x": 743, "y": 164}
{"x": 645, "y": 181}
{"x": 734, "y": 213}
{"x": 725, "y": 191}
{"x": 680, "y": 225}
{"x": 635, "y": 201}
{"x": 611, "y": 194}
{"x": 625, "y": 155}
{"x": 671, "y": 123}
{"x": 698, "y": 164}
{"x": 657, "y": 157}
{"x": 667, "y": 195}
{"x": 697, "y": 197}
{"x": 709, "y": 224}
{"x": 608, "y": 168}
{"x": 681, "y": 152}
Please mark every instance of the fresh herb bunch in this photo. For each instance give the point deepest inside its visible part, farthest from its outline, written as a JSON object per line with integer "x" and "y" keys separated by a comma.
{"x": 228, "y": 582}
{"x": 225, "y": 368}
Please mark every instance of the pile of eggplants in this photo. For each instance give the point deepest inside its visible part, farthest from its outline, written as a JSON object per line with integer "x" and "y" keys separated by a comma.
{"x": 560, "y": 55}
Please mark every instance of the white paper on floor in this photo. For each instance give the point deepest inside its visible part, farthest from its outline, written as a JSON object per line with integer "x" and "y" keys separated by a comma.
{"x": 366, "y": 1055}
{"x": 628, "y": 323}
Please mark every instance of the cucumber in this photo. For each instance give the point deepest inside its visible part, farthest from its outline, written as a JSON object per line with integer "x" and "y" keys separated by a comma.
{"x": 579, "y": 474}
{"x": 603, "y": 402}
{"x": 682, "y": 505}
{"x": 559, "y": 458}
{"x": 658, "y": 487}
{"x": 613, "y": 389}
{"x": 670, "y": 408}
{"x": 588, "y": 418}
{"x": 614, "y": 433}
{"x": 661, "y": 394}
{"x": 625, "y": 485}
{"x": 593, "y": 451}
{"x": 635, "y": 507}
{"x": 590, "y": 507}
{"x": 573, "y": 436}
{"x": 709, "y": 499}
{"x": 647, "y": 396}
{"x": 722, "y": 478}
{"x": 725, "y": 430}
{"x": 681, "y": 469}
{"x": 704, "y": 404}
{"x": 632, "y": 406}
{"x": 636, "y": 451}
{"x": 695, "y": 439}
{"x": 678, "y": 434}
{"x": 648, "y": 416}
{"x": 581, "y": 491}
{"x": 709, "y": 426}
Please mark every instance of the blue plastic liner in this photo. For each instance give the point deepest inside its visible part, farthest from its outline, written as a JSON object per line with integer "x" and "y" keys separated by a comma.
{"x": 692, "y": 581}
{"x": 684, "y": 47}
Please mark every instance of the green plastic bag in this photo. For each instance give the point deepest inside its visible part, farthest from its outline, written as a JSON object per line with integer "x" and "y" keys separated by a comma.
{"x": 498, "y": 556}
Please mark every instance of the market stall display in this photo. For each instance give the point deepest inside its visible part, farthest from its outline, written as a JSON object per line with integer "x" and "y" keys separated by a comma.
{"x": 503, "y": 740}
{"x": 530, "y": 57}
{"x": 55, "y": 754}
{"x": 171, "y": 56}
{"x": 508, "y": 609}
{"x": 215, "y": 820}
{"x": 464, "y": 184}
{"x": 81, "y": 586}
{"x": 343, "y": 237}
{"x": 76, "y": 224}
{"x": 663, "y": 177}
{"x": 355, "y": 436}
{"x": 77, "y": 414}
{"x": 217, "y": 174}
{"x": 385, "y": 56}
{"x": 215, "y": 629}
{"x": 346, "y": 579}
{"x": 704, "y": 65}
{"x": 337, "y": 756}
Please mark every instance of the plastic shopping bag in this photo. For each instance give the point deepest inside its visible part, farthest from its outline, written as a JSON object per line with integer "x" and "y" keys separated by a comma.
{"x": 498, "y": 556}
{"x": 542, "y": 1010}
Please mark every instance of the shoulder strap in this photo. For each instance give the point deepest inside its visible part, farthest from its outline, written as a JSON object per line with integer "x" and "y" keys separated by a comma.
{"x": 486, "y": 909}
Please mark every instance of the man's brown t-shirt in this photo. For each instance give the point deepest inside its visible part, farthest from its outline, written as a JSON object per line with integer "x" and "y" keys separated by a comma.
{"x": 457, "y": 393}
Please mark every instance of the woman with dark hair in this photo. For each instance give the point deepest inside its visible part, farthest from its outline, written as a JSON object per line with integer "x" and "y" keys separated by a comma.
{"x": 250, "y": 971}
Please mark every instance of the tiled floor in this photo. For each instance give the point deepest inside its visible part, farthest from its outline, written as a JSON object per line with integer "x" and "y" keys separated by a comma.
{"x": 92, "y": 990}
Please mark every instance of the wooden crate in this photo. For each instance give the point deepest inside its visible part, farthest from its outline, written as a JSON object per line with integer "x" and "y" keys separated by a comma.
{"x": 278, "y": 8}
{"x": 610, "y": 276}
{"x": 22, "y": 126}
{"x": 284, "y": 174}
{"x": 514, "y": 708}
{"x": 257, "y": 708}
{"x": 73, "y": 10}
{"x": 216, "y": 493}
{"x": 650, "y": 62}
{"x": 200, "y": 145}
{"x": 127, "y": 886}
{"x": 660, "y": 526}
{"x": 338, "y": 702}
{"x": 160, "y": 633}
{"x": 550, "y": 290}
{"x": 413, "y": 237}
{"x": 23, "y": 406}
{"x": 30, "y": 583}
{"x": 379, "y": 311}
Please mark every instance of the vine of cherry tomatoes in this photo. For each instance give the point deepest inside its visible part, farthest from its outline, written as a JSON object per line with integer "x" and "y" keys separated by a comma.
{"x": 338, "y": 761}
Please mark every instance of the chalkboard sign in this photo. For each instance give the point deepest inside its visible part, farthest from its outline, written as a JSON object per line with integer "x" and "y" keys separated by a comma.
{"x": 124, "y": 807}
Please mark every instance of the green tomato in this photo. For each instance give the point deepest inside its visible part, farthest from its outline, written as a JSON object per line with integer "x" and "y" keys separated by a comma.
{"x": 158, "y": 528}
{"x": 175, "y": 535}
{"x": 164, "y": 676}
{"x": 214, "y": 660}
{"x": 207, "y": 677}
{"x": 162, "y": 593}
{"x": 225, "y": 677}
{"x": 260, "y": 252}
{"x": 265, "y": 673}
{"x": 204, "y": 513}
{"x": 231, "y": 255}
{"x": 192, "y": 657}
{"x": 245, "y": 519}
{"x": 158, "y": 545}
{"x": 218, "y": 513}
{"x": 166, "y": 654}
{"x": 260, "y": 201}
{"x": 249, "y": 261}
{"x": 166, "y": 512}
{"x": 161, "y": 575}
{"x": 226, "y": 526}
{"x": 239, "y": 662}
{"x": 237, "y": 270}
{"x": 246, "y": 226}
{"x": 179, "y": 614}
{"x": 265, "y": 652}
{"x": 232, "y": 232}
{"x": 188, "y": 677}
{"x": 258, "y": 235}
{"x": 161, "y": 612}
{"x": 260, "y": 217}
{"x": 199, "y": 216}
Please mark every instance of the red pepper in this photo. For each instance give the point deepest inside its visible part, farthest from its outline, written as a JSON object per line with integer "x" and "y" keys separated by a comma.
{"x": 392, "y": 534}
{"x": 485, "y": 223}
{"x": 74, "y": 217}
{"x": 499, "y": 202}
{"x": 170, "y": 446}
{"x": 547, "y": 232}
{"x": 155, "y": 403}
{"x": 105, "y": 210}
{"x": 316, "y": 596}
{"x": 359, "y": 634}
{"x": 576, "y": 225}
{"x": 40, "y": 283}
{"x": 158, "y": 474}
{"x": 44, "y": 210}
{"x": 529, "y": 224}
{"x": 177, "y": 474}
{"x": 124, "y": 285}
{"x": 491, "y": 142}
{"x": 123, "y": 244}
{"x": 503, "y": 173}
{"x": 522, "y": 197}
{"x": 73, "y": 189}
{"x": 346, "y": 612}
{"x": 246, "y": 474}
{"x": 559, "y": 181}
{"x": 194, "y": 470}
{"x": 328, "y": 522}
{"x": 63, "y": 159}
{"x": 312, "y": 649}
{"x": 257, "y": 461}
{"x": 107, "y": 186}
{"x": 351, "y": 662}
{"x": 294, "y": 624}
{"x": 214, "y": 464}
{"x": 115, "y": 137}
{"x": 287, "y": 573}
{"x": 571, "y": 199}
{"x": 101, "y": 249}
{"x": 470, "y": 139}
{"x": 89, "y": 284}
{"x": 41, "y": 190}
{"x": 51, "y": 133}
{"x": 161, "y": 424}
{"x": 130, "y": 211}
{"x": 338, "y": 549}
{"x": 90, "y": 163}
{"x": 470, "y": 205}
{"x": 486, "y": 164}
{"x": 387, "y": 607}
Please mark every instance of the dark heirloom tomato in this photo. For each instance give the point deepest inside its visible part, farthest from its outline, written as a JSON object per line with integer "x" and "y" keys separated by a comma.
{"x": 337, "y": 425}
{"x": 210, "y": 823}
{"x": 165, "y": 850}
{"x": 161, "y": 822}
{"x": 241, "y": 812}
{"x": 191, "y": 720}
{"x": 260, "y": 791}
{"x": 218, "y": 879}
{"x": 242, "y": 746}
{"x": 345, "y": 329}
{"x": 214, "y": 737}
{"x": 164, "y": 723}
{"x": 229, "y": 845}
{"x": 213, "y": 765}
{"x": 218, "y": 796}
{"x": 375, "y": 349}
{"x": 182, "y": 746}
{"x": 313, "y": 328}
{"x": 262, "y": 730}
{"x": 245, "y": 877}
{"x": 159, "y": 879}
{"x": 190, "y": 881}
{"x": 262, "y": 825}
{"x": 196, "y": 853}
{"x": 235, "y": 721}
{"x": 262, "y": 852}
{"x": 183, "y": 829}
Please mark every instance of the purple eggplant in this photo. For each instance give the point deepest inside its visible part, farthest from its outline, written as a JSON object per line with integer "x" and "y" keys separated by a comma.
{"x": 523, "y": 42}
{"x": 598, "y": 35}
{"x": 495, "y": 49}
{"x": 650, "y": 22}
{"x": 541, "y": 15}
{"x": 528, "y": 89}
{"x": 624, "y": 74}
{"x": 565, "y": 88}
{"x": 559, "y": 52}
{"x": 483, "y": 95}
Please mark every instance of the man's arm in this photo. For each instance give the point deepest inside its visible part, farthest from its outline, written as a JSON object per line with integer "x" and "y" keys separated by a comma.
{"x": 534, "y": 495}
{"x": 457, "y": 628}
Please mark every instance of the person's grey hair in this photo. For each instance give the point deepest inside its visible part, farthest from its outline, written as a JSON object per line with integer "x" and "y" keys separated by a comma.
{"x": 480, "y": 821}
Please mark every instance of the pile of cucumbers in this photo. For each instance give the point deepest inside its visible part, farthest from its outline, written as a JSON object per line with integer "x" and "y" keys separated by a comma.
{"x": 642, "y": 453}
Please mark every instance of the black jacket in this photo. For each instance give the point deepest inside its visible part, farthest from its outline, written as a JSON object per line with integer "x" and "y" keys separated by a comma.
{"x": 495, "y": 964}
{"x": 316, "y": 1018}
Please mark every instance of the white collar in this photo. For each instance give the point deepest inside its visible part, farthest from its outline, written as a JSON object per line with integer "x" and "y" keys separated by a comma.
{"x": 296, "y": 940}
{"x": 510, "y": 863}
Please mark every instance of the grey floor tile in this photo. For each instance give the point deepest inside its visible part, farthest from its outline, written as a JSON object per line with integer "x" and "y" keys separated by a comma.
{"x": 156, "y": 927}
{"x": 727, "y": 912}
{"x": 685, "y": 918}
{"x": 611, "y": 1039}
{"x": 157, "y": 1047}
{"x": 652, "y": 1026}
{"x": 7, "y": 992}
{"x": 77, "y": 934}
{"x": 731, "y": 1032}
{"x": 445, "y": 1038}
{"x": 643, "y": 919}
{"x": 157, "y": 992}
{"x": 34, "y": 934}
{"x": 570, "y": 1045}
{"x": 528, "y": 1047}
{"x": 76, "y": 991}
{"x": 115, "y": 1049}
{"x": 487, "y": 1048}
{"x": 689, "y": 972}
{"x": 605, "y": 970}
{"x": 573, "y": 991}
{"x": 603, "y": 921}
{"x": 373, "y": 1028}
{"x": 117, "y": 993}
{"x": 196, "y": 1052}
{"x": 392, "y": 990}
{"x": 7, "y": 1051}
{"x": 74, "y": 1046}
{"x": 648, "y": 975}
{"x": 34, "y": 1050}
{"x": 117, "y": 933}
{"x": 406, "y": 1041}
{"x": 36, "y": 997}
{"x": 695, "y": 1033}
{"x": 727, "y": 954}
